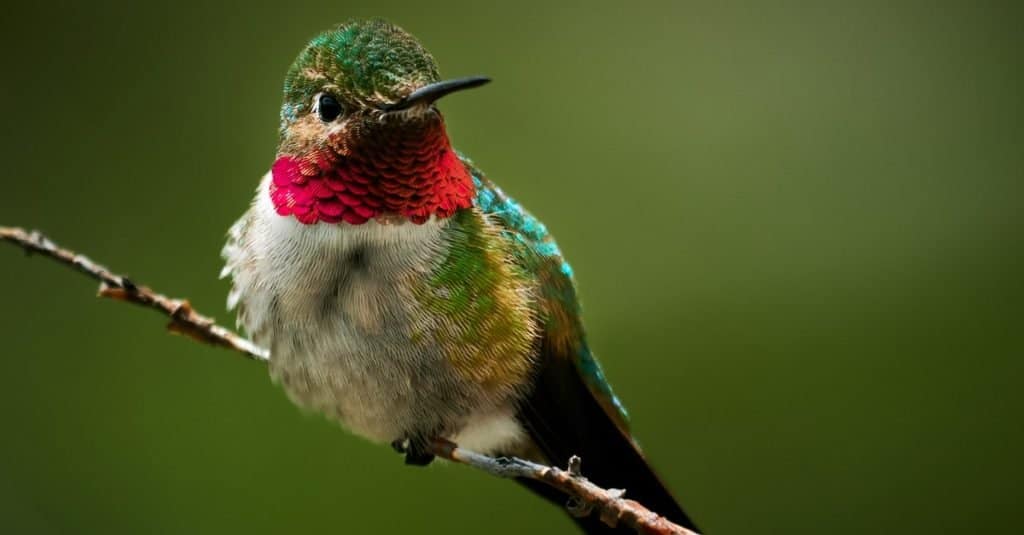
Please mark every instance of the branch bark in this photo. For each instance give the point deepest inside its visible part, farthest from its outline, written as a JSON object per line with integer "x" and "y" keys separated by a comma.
{"x": 584, "y": 497}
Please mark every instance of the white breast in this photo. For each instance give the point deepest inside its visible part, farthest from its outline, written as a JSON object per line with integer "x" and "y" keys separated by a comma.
{"x": 272, "y": 256}
{"x": 333, "y": 304}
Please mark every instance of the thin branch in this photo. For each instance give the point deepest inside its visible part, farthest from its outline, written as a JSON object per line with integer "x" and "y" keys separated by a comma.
{"x": 184, "y": 320}
{"x": 585, "y": 497}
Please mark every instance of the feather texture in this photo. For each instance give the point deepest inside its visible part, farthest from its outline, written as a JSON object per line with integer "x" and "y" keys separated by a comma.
{"x": 403, "y": 294}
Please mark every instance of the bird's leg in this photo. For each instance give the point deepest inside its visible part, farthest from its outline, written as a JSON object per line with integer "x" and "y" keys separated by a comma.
{"x": 416, "y": 450}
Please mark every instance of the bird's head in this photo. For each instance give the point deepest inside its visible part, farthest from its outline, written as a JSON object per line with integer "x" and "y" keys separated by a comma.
{"x": 361, "y": 138}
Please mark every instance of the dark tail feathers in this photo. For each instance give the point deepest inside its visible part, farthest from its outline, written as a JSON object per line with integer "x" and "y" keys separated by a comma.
{"x": 564, "y": 419}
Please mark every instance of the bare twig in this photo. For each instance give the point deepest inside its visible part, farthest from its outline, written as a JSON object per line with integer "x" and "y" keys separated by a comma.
{"x": 585, "y": 497}
{"x": 184, "y": 320}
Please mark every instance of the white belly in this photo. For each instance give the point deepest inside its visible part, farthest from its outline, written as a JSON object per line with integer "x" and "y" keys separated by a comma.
{"x": 332, "y": 304}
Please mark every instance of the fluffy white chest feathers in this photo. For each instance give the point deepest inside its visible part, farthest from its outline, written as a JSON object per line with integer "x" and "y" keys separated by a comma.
{"x": 333, "y": 303}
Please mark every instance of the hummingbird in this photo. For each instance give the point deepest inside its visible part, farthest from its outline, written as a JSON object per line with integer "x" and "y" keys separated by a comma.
{"x": 403, "y": 294}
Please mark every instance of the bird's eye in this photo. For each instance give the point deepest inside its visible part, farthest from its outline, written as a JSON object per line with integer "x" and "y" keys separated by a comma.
{"x": 328, "y": 107}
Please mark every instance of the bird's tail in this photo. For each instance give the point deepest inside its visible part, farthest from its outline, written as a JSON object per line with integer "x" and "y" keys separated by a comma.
{"x": 564, "y": 419}
{"x": 639, "y": 481}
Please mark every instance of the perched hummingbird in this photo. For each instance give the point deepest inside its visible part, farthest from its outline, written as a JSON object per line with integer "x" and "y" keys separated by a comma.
{"x": 402, "y": 293}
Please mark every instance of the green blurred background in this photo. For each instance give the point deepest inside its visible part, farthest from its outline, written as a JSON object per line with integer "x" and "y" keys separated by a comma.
{"x": 797, "y": 231}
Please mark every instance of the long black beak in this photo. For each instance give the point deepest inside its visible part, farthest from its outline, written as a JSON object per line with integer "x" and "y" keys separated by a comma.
{"x": 432, "y": 92}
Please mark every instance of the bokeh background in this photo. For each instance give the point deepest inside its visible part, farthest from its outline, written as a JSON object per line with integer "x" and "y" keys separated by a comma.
{"x": 797, "y": 230}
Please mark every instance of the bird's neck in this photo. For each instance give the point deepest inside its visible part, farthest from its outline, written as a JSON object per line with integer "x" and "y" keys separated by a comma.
{"x": 362, "y": 174}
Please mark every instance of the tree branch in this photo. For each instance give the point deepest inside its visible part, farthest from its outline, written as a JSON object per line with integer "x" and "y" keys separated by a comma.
{"x": 184, "y": 320}
{"x": 584, "y": 496}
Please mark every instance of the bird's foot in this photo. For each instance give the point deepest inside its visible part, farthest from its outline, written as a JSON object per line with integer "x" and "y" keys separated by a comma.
{"x": 416, "y": 450}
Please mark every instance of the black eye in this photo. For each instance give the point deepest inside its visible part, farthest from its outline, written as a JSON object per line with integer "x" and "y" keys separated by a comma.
{"x": 328, "y": 108}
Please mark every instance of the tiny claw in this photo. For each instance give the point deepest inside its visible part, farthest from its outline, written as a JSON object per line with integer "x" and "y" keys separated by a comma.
{"x": 417, "y": 451}
{"x": 418, "y": 458}
{"x": 400, "y": 445}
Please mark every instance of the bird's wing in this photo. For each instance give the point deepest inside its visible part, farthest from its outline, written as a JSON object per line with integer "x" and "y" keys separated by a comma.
{"x": 572, "y": 409}
{"x": 539, "y": 254}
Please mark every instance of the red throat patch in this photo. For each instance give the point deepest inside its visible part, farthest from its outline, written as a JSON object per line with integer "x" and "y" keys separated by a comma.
{"x": 383, "y": 176}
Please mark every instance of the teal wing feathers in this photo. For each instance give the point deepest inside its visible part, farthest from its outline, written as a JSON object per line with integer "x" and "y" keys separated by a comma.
{"x": 539, "y": 254}
{"x": 571, "y": 409}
